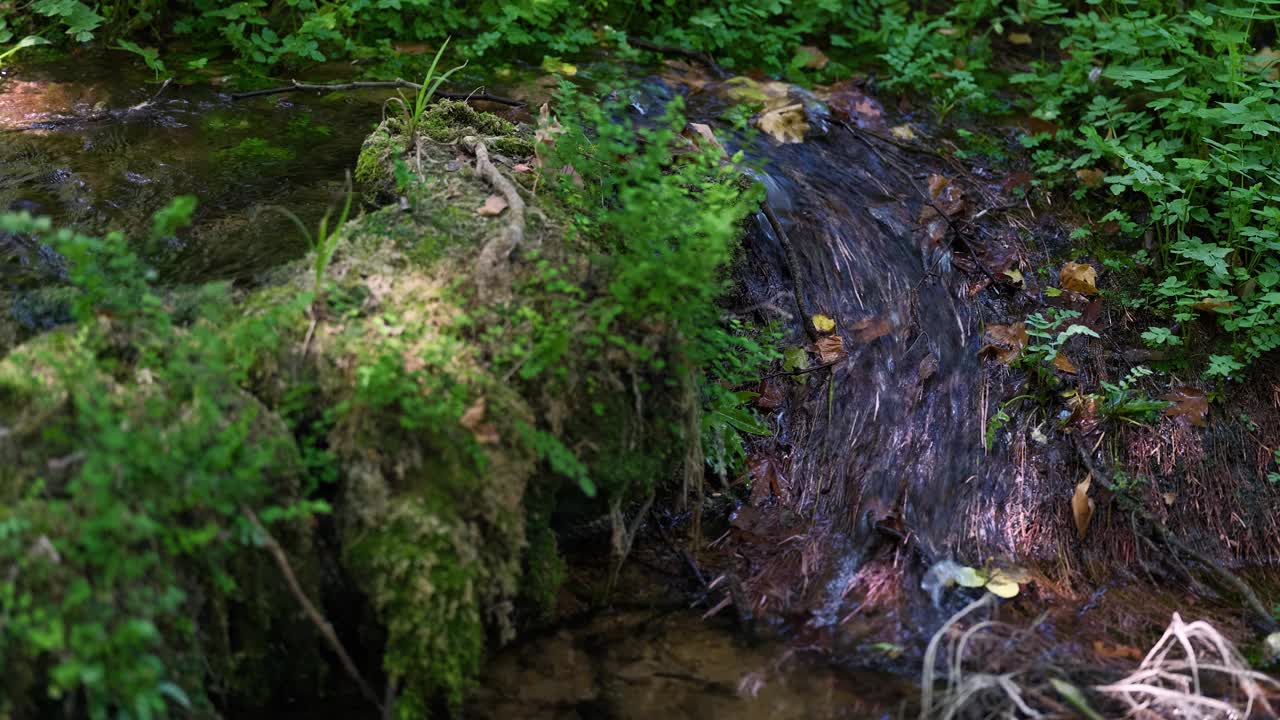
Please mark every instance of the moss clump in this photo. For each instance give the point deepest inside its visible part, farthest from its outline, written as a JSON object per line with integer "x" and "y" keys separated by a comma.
{"x": 516, "y": 147}
{"x": 374, "y": 155}
{"x": 448, "y": 120}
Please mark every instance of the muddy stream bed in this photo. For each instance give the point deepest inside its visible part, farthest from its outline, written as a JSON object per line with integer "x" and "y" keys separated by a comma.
{"x": 877, "y": 469}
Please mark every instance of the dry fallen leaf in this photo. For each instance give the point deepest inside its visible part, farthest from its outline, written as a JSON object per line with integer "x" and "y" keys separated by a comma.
{"x": 946, "y": 196}
{"x": 522, "y": 168}
{"x": 830, "y": 348}
{"x": 1079, "y": 277}
{"x": 766, "y": 477}
{"x": 1090, "y": 177}
{"x": 902, "y": 132}
{"x": 473, "y": 420}
{"x": 493, "y": 205}
{"x": 811, "y": 57}
{"x": 1015, "y": 276}
{"x": 1190, "y": 405}
{"x": 771, "y": 395}
{"x": 1019, "y": 39}
{"x": 1082, "y": 506}
{"x": 786, "y": 124}
{"x": 1169, "y": 498}
{"x": 1127, "y": 652}
{"x": 1005, "y": 342}
{"x": 704, "y": 131}
{"x": 869, "y": 329}
{"x": 1217, "y": 305}
{"x": 823, "y": 323}
{"x": 1064, "y": 364}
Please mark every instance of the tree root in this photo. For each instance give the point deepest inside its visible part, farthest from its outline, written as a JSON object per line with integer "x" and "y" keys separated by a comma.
{"x": 317, "y": 619}
{"x": 1162, "y": 534}
{"x": 793, "y": 266}
{"x": 296, "y": 86}
{"x": 491, "y": 266}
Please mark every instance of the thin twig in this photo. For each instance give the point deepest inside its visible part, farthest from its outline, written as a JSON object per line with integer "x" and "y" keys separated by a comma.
{"x": 699, "y": 57}
{"x": 317, "y": 619}
{"x": 793, "y": 265}
{"x": 803, "y": 371}
{"x": 296, "y": 86}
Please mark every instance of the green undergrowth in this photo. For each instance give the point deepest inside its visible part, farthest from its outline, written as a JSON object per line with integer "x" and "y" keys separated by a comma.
{"x": 366, "y": 393}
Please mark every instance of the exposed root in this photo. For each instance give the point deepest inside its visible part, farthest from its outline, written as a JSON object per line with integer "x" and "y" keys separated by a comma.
{"x": 491, "y": 267}
{"x": 317, "y": 619}
{"x": 1162, "y": 533}
{"x": 1169, "y": 686}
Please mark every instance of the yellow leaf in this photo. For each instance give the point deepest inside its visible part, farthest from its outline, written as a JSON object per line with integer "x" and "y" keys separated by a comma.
{"x": 902, "y": 132}
{"x": 1019, "y": 39}
{"x": 970, "y": 578}
{"x": 1079, "y": 277}
{"x": 1002, "y": 588}
{"x": 823, "y": 324}
{"x": 1082, "y": 506}
{"x": 786, "y": 124}
{"x": 556, "y": 66}
{"x": 1015, "y": 276}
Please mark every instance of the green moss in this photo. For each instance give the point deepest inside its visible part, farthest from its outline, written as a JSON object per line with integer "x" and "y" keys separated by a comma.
{"x": 512, "y": 146}
{"x": 448, "y": 120}
{"x": 422, "y": 573}
{"x": 374, "y": 154}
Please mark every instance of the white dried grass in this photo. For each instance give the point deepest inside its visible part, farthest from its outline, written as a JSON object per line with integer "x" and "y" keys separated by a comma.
{"x": 1171, "y": 681}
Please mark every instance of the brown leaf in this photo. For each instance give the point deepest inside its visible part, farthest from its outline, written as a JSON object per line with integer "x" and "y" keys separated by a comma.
{"x": 1082, "y": 506}
{"x": 947, "y": 197}
{"x": 830, "y": 348}
{"x": 1190, "y": 405}
{"x": 849, "y": 103}
{"x": 1169, "y": 498}
{"x": 1079, "y": 277}
{"x": 473, "y": 420}
{"x": 1084, "y": 411}
{"x": 869, "y": 329}
{"x": 786, "y": 124}
{"x": 1090, "y": 177}
{"x": 766, "y": 472}
{"x": 493, "y": 206}
{"x": 1005, "y": 342}
{"x": 1127, "y": 652}
{"x": 814, "y": 59}
{"x": 771, "y": 395}
{"x": 1218, "y": 305}
{"x": 1061, "y": 362}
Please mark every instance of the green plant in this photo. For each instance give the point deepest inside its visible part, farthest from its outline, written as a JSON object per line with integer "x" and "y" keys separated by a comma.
{"x": 1050, "y": 333}
{"x": 412, "y": 114}
{"x": 1123, "y": 401}
{"x": 26, "y": 42}
{"x": 157, "y": 448}
{"x": 150, "y": 56}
